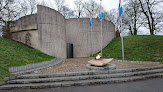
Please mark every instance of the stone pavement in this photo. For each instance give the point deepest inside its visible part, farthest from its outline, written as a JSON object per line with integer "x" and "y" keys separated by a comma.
{"x": 79, "y": 64}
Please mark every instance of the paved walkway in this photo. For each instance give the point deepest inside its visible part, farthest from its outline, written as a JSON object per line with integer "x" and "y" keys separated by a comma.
{"x": 79, "y": 64}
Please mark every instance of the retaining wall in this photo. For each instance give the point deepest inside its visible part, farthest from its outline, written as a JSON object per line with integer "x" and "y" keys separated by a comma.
{"x": 25, "y": 30}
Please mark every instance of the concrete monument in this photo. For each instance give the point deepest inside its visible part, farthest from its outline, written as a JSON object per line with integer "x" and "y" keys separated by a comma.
{"x": 49, "y": 31}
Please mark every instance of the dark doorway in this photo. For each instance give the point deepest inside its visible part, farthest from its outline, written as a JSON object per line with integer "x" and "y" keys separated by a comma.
{"x": 70, "y": 50}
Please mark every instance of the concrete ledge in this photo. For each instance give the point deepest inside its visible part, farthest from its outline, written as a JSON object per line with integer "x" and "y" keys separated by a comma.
{"x": 24, "y": 28}
{"x": 53, "y": 62}
{"x": 33, "y": 67}
{"x": 141, "y": 62}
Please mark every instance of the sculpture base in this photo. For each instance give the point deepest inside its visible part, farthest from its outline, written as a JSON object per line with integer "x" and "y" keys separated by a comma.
{"x": 101, "y": 62}
{"x": 105, "y": 67}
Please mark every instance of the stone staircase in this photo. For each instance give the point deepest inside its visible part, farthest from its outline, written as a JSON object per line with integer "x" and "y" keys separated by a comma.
{"x": 35, "y": 81}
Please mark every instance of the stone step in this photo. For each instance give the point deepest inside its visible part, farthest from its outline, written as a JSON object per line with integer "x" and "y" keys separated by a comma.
{"x": 67, "y": 74}
{"x": 78, "y": 83}
{"x": 85, "y": 77}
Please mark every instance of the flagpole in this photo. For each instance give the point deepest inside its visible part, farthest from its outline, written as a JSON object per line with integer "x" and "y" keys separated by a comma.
{"x": 91, "y": 38}
{"x": 101, "y": 26}
{"x": 122, "y": 48}
{"x": 91, "y": 21}
{"x": 122, "y": 41}
{"x": 101, "y": 38}
{"x": 120, "y": 17}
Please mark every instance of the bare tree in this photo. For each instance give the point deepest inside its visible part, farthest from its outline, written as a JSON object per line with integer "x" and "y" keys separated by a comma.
{"x": 78, "y": 4}
{"x": 32, "y": 6}
{"x": 27, "y": 6}
{"x": 63, "y": 9}
{"x": 8, "y": 13}
{"x": 112, "y": 16}
{"x": 67, "y": 12}
{"x": 132, "y": 16}
{"x": 153, "y": 16}
{"x": 91, "y": 6}
{"x": 59, "y": 4}
{"x": 23, "y": 7}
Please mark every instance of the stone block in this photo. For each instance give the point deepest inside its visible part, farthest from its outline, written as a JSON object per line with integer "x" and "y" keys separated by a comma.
{"x": 1, "y": 83}
{"x": 6, "y": 79}
{"x": 12, "y": 77}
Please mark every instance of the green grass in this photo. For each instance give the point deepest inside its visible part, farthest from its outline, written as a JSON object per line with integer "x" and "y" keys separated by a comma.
{"x": 16, "y": 54}
{"x": 136, "y": 48}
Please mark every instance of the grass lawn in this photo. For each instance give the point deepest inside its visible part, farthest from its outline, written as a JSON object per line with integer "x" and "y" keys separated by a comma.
{"x": 16, "y": 54}
{"x": 136, "y": 48}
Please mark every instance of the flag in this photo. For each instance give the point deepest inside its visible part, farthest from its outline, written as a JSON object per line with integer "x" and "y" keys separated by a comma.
{"x": 91, "y": 20}
{"x": 101, "y": 13}
{"x": 120, "y": 8}
{"x": 101, "y": 16}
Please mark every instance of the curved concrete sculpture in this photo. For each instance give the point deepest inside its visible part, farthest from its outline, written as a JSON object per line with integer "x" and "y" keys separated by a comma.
{"x": 102, "y": 64}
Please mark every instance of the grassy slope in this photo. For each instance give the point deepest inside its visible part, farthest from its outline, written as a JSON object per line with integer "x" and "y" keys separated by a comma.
{"x": 136, "y": 48}
{"x": 15, "y": 54}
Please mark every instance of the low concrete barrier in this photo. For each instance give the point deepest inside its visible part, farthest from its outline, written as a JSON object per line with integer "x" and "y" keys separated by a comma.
{"x": 34, "y": 67}
{"x": 140, "y": 62}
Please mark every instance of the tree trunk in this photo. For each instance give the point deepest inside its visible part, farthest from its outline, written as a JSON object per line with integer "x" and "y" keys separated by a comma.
{"x": 135, "y": 30}
{"x": 6, "y": 31}
{"x": 131, "y": 33}
{"x": 148, "y": 16}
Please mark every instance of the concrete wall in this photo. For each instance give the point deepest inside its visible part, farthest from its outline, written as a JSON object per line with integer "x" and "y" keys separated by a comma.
{"x": 49, "y": 32}
{"x": 28, "y": 37}
{"x": 78, "y": 33}
{"x": 25, "y": 30}
{"x": 52, "y": 32}
{"x": 26, "y": 20}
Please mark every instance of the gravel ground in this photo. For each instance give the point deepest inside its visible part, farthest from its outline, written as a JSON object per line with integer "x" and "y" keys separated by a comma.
{"x": 79, "y": 64}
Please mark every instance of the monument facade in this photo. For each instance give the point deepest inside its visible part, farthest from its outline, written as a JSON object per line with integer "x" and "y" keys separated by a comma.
{"x": 49, "y": 32}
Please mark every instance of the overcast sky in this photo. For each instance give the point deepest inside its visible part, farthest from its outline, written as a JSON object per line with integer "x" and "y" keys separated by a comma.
{"x": 107, "y": 4}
